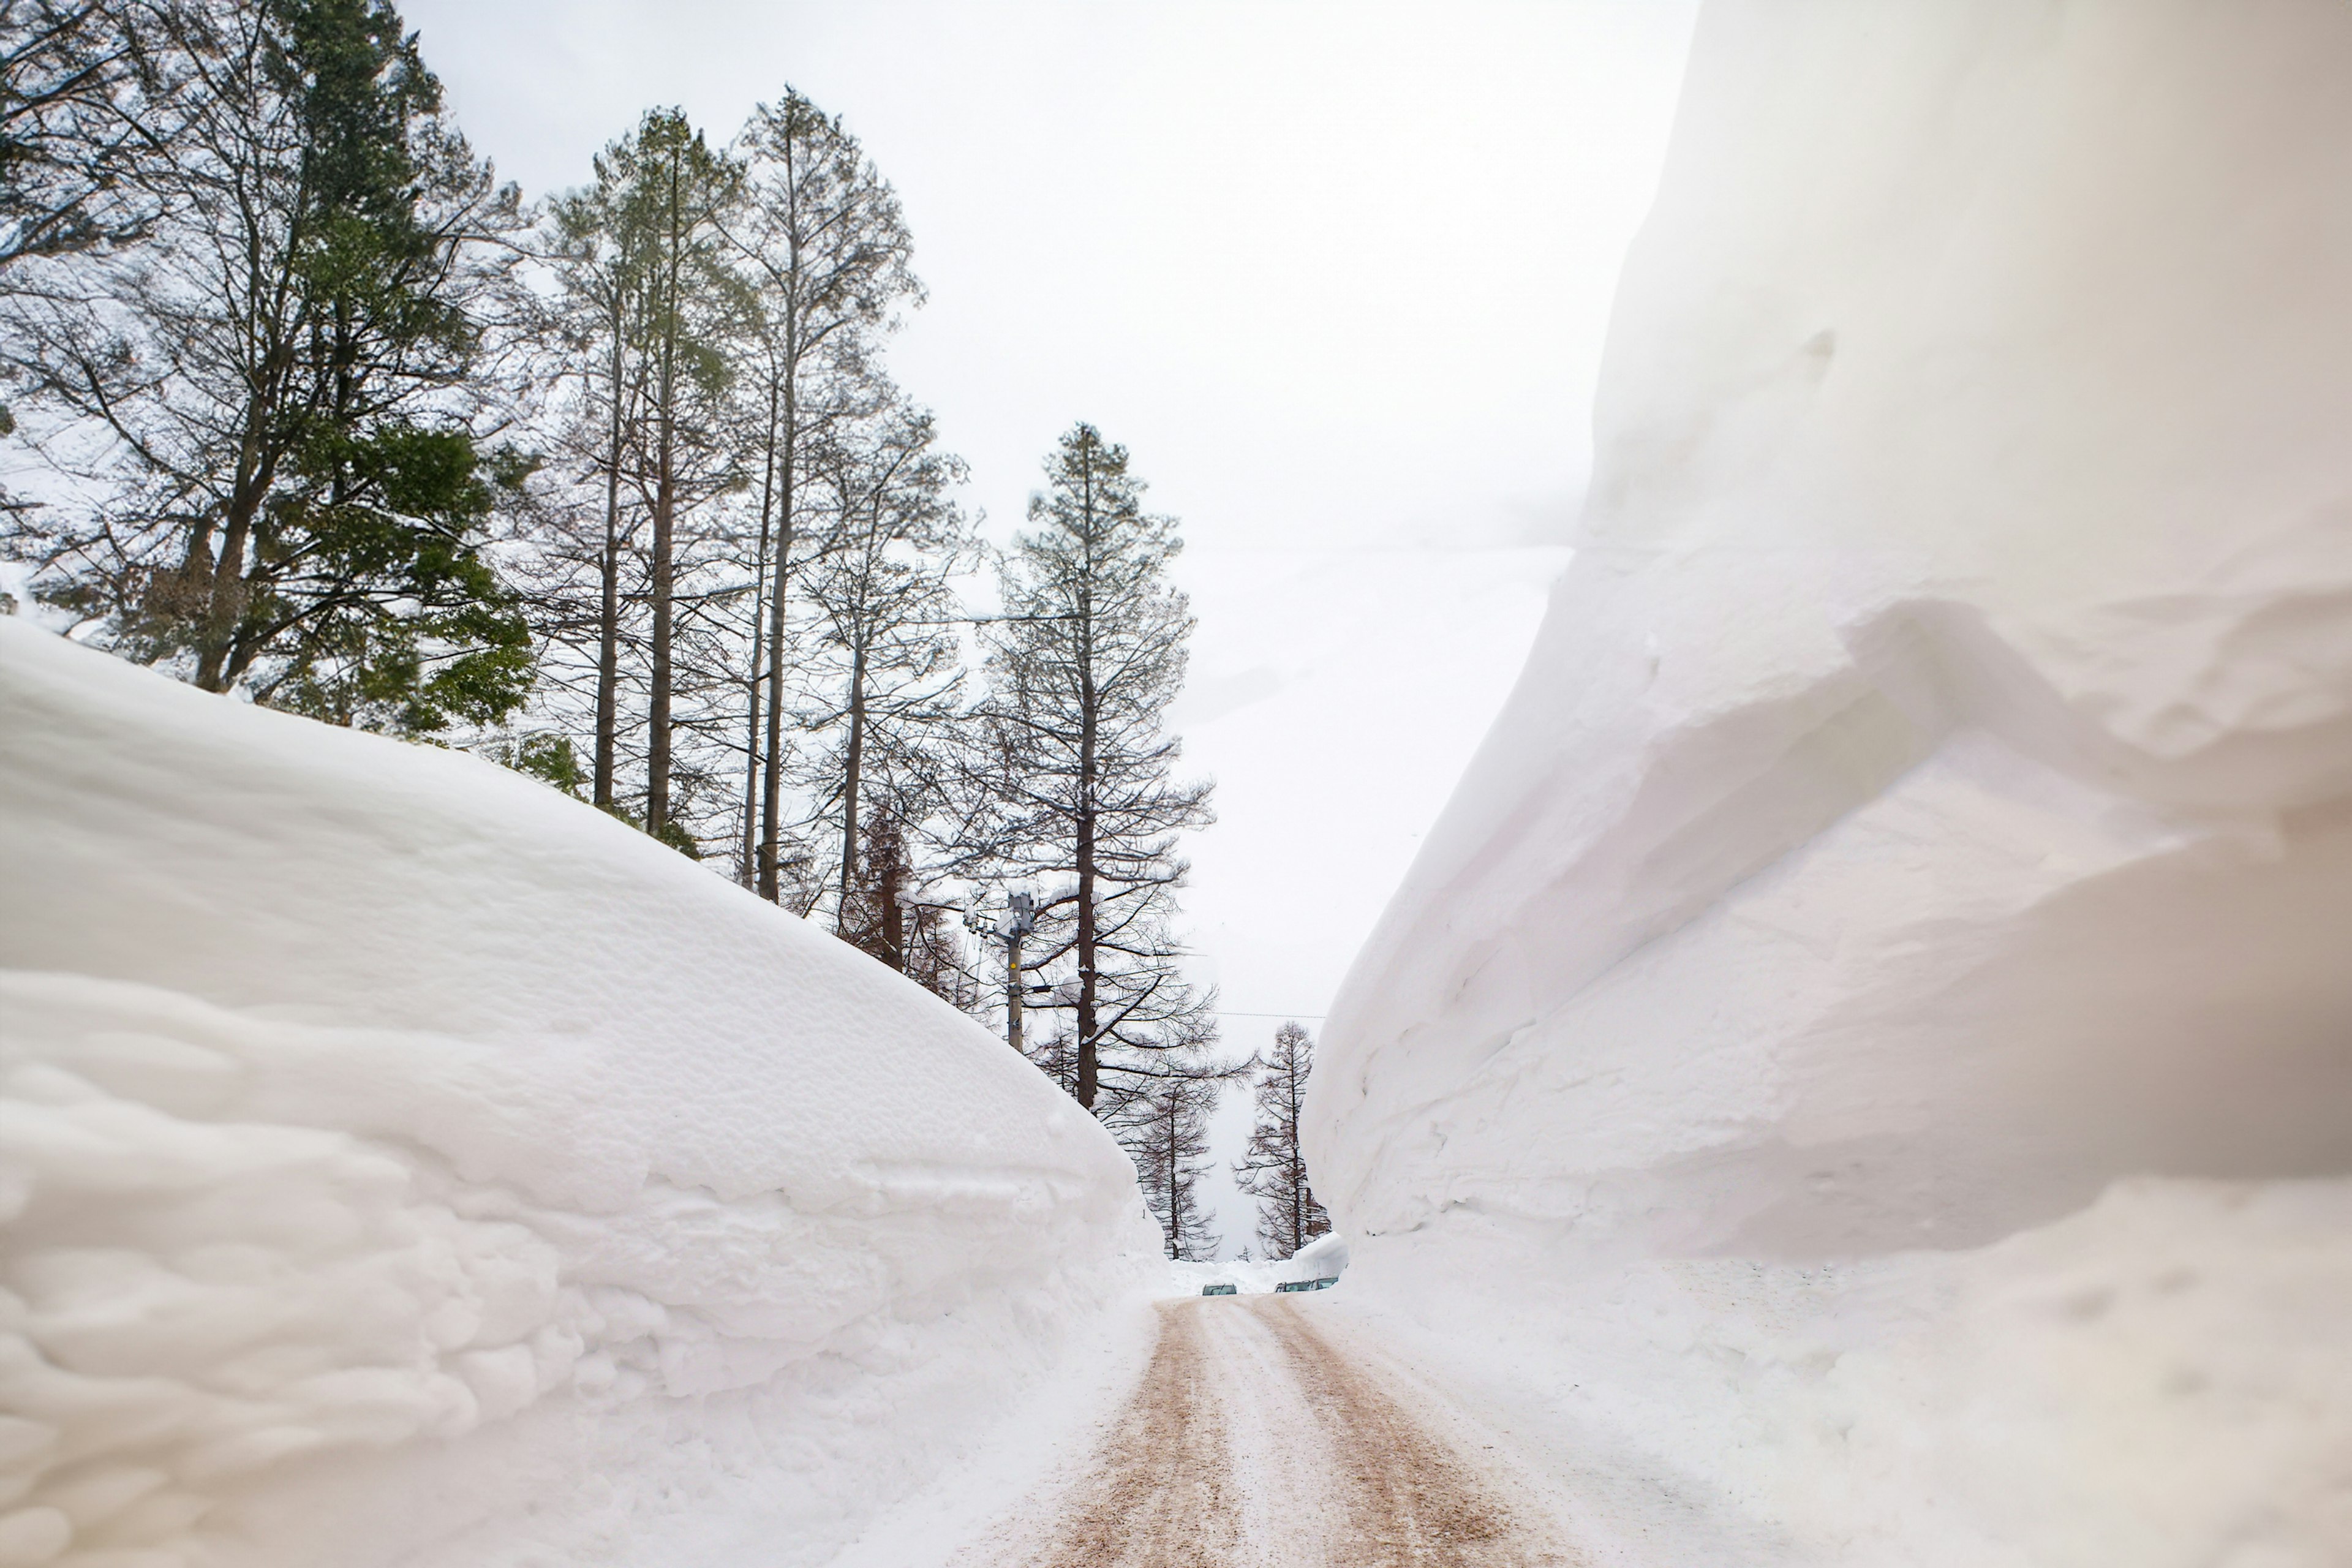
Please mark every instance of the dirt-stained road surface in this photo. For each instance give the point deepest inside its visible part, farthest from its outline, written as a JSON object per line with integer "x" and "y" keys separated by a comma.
{"x": 1255, "y": 1441}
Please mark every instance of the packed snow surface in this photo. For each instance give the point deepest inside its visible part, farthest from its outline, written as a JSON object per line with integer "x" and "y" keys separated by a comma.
{"x": 402, "y": 1163}
{"x": 1863, "y": 1058}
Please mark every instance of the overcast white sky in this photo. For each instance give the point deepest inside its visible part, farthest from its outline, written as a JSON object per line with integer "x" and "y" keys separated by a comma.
{"x": 1336, "y": 273}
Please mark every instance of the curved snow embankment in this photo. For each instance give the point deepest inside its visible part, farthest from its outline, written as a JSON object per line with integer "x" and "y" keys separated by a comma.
{"x": 1876, "y": 1003}
{"x": 402, "y": 1163}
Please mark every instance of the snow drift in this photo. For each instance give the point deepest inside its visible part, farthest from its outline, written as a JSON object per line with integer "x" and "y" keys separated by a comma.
{"x": 1877, "y": 1002}
{"x": 402, "y": 1163}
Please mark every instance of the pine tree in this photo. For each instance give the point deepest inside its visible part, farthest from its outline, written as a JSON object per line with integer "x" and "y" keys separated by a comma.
{"x": 1169, "y": 1138}
{"x": 1075, "y": 792}
{"x": 270, "y": 406}
{"x": 1274, "y": 1171}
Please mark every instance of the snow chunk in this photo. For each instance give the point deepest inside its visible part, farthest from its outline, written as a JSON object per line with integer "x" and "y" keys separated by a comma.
{"x": 403, "y": 1163}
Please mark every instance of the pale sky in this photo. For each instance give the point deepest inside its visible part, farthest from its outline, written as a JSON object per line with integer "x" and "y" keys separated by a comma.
{"x": 1336, "y": 273}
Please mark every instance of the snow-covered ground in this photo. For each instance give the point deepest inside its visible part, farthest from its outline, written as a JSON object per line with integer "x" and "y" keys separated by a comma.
{"x": 1324, "y": 1257}
{"x": 403, "y": 1162}
{"x": 1855, "y": 1076}
{"x": 1860, "y": 1062}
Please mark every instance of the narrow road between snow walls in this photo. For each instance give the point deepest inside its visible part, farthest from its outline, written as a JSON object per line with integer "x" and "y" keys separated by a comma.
{"x": 1261, "y": 1435}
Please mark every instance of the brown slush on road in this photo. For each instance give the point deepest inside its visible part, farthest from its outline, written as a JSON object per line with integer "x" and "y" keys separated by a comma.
{"x": 1158, "y": 1493}
{"x": 1253, "y": 1440}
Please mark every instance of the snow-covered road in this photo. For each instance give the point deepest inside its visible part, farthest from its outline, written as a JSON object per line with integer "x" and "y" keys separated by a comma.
{"x": 1263, "y": 1433}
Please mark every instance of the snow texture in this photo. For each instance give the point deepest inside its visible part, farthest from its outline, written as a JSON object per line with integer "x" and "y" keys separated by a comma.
{"x": 402, "y": 1163}
{"x": 1874, "y": 1013}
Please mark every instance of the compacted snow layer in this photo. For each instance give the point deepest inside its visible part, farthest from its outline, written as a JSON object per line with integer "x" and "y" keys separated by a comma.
{"x": 1867, "y": 1039}
{"x": 403, "y": 1163}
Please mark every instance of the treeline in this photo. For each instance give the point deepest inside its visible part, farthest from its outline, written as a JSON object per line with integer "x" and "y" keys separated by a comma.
{"x": 613, "y": 487}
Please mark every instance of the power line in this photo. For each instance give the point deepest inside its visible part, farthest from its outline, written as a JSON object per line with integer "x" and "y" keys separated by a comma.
{"x": 1224, "y": 1013}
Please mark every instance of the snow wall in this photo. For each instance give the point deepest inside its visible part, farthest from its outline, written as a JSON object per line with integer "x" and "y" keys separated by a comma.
{"x": 1873, "y": 1026}
{"x": 403, "y": 1162}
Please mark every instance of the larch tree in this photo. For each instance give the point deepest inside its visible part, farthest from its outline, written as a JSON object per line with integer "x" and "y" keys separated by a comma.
{"x": 1273, "y": 1170}
{"x": 1076, "y": 793}
{"x": 887, "y": 658}
{"x": 1169, "y": 1141}
{"x": 888, "y": 918}
{"x": 824, "y": 250}
{"x": 674, "y": 193}
{"x": 595, "y": 323}
{"x": 269, "y": 409}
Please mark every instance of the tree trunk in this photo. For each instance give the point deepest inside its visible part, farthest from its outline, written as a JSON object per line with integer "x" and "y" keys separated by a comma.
{"x": 665, "y": 524}
{"x": 608, "y": 609}
{"x": 747, "y": 860}
{"x": 225, "y": 603}
{"x": 853, "y": 764}
{"x": 893, "y": 887}
{"x": 224, "y": 598}
{"x": 657, "y": 718}
{"x": 257, "y": 464}
{"x": 1175, "y": 1216}
{"x": 1089, "y": 1065}
{"x": 771, "y": 788}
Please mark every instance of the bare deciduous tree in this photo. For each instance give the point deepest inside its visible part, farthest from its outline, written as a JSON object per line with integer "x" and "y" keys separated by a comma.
{"x": 824, "y": 251}
{"x": 1074, "y": 788}
{"x": 1169, "y": 1138}
{"x": 272, "y": 409}
{"x": 1274, "y": 1171}
{"x": 90, "y": 104}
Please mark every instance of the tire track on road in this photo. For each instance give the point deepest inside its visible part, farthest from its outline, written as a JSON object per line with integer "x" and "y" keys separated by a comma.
{"x": 1340, "y": 1474}
{"x": 1160, "y": 1494}
{"x": 1409, "y": 1502}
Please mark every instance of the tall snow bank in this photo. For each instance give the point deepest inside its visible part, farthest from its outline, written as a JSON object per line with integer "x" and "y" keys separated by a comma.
{"x": 1875, "y": 1012}
{"x": 400, "y": 1163}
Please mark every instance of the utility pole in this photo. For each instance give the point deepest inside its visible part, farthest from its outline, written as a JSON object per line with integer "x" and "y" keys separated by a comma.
{"x": 1020, "y": 919}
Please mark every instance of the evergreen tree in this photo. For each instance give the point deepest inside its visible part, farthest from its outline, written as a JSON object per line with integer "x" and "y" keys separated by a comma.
{"x": 1168, "y": 1139}
{"x": 270, "y": 405}
{"x": 1274, "y": 1171}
